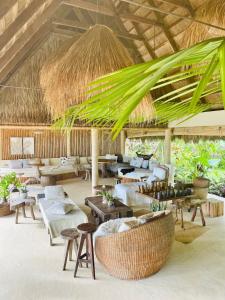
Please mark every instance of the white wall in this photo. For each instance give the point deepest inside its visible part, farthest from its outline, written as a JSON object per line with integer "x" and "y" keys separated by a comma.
{"x": 212, "y": 118}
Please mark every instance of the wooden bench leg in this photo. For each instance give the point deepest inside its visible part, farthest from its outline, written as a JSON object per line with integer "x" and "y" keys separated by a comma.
{"x": 32, "y": 212}
{"x": 194, "y": 214}
{"x": 17, "y": 215}
{"x": 202, "y": 216}
{"x": 24, "y": 213}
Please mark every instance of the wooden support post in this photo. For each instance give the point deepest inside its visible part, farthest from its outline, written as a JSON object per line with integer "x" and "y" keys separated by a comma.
{"x": 122, "y": 142}
{"x": 94, "y": 154}
{"x": 167, "y": 146}
{"x": 68, "y": 143}
{"x": 1, "y": 143}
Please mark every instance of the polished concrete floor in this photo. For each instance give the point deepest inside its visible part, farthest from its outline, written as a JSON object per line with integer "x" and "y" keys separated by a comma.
{"x": 31, "y": 269}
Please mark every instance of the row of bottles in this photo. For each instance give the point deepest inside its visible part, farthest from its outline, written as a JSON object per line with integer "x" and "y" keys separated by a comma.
{"x": 161, "y": 191}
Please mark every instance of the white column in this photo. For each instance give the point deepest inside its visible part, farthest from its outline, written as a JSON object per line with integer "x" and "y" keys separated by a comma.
{"x": 94, "y": 154}
{"x": 1, "y": 143}
{"x": 68, "y": 143}
{"x": 122, "y": 142}
{"x": 167, "y": 146}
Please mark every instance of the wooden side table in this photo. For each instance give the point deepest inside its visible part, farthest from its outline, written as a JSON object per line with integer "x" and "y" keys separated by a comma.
{"x": 20, "y": 203}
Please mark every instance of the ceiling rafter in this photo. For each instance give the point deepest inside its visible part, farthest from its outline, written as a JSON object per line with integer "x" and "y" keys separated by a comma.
{"x": 180, "y": 3}
{"x": 82, "y": 26}
{"x": 5, "y": 6}
{"x": 165, "y": 29}
{"x": 20, "y": 44}
{"x": 22, "y": 19}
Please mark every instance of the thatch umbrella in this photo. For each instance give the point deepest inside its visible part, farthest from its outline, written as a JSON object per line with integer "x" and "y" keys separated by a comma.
{"x": 96, "y": 53}
{"x": 212, "y": 12}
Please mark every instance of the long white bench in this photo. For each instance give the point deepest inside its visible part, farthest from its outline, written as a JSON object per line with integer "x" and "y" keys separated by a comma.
{"x": 55, "y": 223}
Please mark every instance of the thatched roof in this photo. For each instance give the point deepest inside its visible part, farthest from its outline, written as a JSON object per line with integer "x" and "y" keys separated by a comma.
{"x": 32, "y": 31}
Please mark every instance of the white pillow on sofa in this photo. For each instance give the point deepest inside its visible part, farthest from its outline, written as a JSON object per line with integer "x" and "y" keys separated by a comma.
{"x": 60, "y": 208}
{"x": 136, "y": 162}
{"x": 160, "y": 173}
{"x": 15, "y": 164}
{"x": 54, "y": 192}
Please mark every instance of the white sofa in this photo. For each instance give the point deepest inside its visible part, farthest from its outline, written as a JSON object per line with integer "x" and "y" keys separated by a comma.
{"x": 128, "y": 192}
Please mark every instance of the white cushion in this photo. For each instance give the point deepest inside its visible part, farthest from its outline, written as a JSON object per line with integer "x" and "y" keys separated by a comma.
{"x": 60, "y": 208}
{"x": 15, "y": 164}
{"x": 34, "y": 161}
{"x": 151, "y": 178}
{"x": 67, "y": 161}
{"x": 145, "y": 164}
{"x": 54, "y": 192}
{"x": 84, "y": 160}
{"x": 111, "y": 156}
{"x": 160, "y": 173}
{"x": 127, "y": 225}
{"x": 126, "y": 159}
{"x": 153, "y": 164}
{"x": 136, "y": 162}
{"x": 111, "y": 226}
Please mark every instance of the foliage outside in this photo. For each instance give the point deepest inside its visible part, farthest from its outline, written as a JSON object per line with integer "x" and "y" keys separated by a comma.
{"x": 187, "y": 157}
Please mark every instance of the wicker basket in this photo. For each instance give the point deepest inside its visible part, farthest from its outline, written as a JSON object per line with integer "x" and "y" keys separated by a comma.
{"x": 139, "y": 252}
{"x": 5, "y": 209}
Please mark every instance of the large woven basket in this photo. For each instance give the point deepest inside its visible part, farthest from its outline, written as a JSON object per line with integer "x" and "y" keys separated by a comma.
{"x": 139, "y": 252}
{"x": 5, "y": 209}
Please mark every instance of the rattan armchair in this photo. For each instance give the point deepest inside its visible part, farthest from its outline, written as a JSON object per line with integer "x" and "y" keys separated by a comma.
{"x": 139, "y": 252}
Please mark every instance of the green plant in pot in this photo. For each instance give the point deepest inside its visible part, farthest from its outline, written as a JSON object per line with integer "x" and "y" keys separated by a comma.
{"x": 8, "y": 182}
{"x": 23, "y": 191}
{"x": 107, "y": 198}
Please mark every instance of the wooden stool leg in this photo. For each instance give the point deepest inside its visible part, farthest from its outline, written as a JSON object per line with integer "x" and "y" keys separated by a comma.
{"x": 66, "y": 254}
{"x": 176, "y": 216}
{"x": 87, "y": 250}
{"x": 90, "y": 242}
{"x": 71, "y": 250}
{"x": 17, "y": 215}
{"x": 76, "y": 246}
{"x": 194, "y": 214}
{"x": 182, "y": 218}
{"x": 202, "y": 216}
{"x": 32, "y": 212}
{"x": 83, "y": 237}
{"x": 24, "y": 213}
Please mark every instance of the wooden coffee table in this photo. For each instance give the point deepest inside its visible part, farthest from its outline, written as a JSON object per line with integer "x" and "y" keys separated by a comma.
{"x": 102, "y": 213}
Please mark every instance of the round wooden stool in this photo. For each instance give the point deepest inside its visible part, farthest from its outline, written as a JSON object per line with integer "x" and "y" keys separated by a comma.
{"x": 86, "y": 230}
{"x": 70, "y": 236}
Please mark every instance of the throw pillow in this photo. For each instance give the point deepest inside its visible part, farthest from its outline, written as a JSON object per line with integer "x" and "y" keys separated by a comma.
{"x": 136, "y": 162}
{"x": 145, "y": 164}
{"x": 125, "y": 226}
{"x": 54, "y": 192}
{"x": 145, "y": 218}
{"x": 160, "y": 173}
{"x": 15, "y": 164}
{"x": 60, "y": 208}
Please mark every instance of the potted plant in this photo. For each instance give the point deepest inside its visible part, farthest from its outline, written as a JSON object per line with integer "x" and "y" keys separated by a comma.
{"x": 9, "y": 180}
{"x": 23, "y": 191}
{"x": 107, "y": 198}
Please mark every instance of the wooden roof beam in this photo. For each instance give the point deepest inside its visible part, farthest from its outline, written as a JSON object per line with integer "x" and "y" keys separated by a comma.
{"x": 181, "y": 3}
{"x": 22, "y": 19}
{"x": 78, "y": 25}
{"x": 5, "y": 6}
{"x": 108, "y": 12}
{"x": 20, "y": 44}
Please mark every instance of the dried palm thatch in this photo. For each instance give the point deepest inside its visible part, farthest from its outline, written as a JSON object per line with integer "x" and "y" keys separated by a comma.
{"x": 96, "y": 53}
{"x": 212, "y": 12}
{"x": 25, "y": 104}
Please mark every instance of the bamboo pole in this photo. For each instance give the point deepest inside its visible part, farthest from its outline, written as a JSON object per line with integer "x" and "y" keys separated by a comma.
{"x": 167, "y": 146}
{"x": 94, "y": 154}
{"x": 122, "y": 141}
